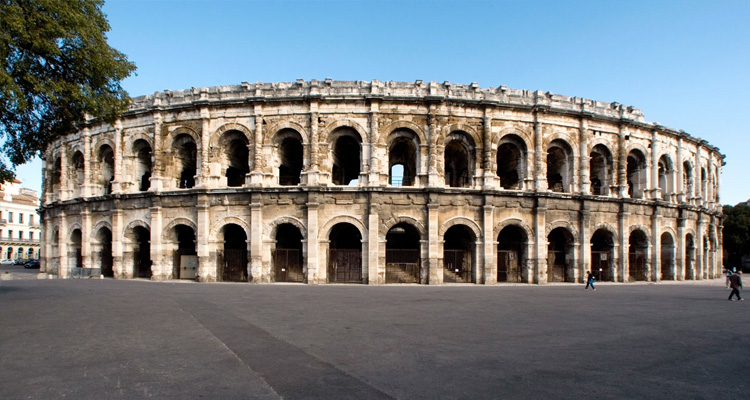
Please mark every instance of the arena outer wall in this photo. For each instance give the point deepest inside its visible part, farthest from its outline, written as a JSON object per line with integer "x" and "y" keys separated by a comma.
{"x": 293, "y": 182}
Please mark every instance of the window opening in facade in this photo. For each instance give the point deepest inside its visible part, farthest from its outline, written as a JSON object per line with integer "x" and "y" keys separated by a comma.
{"x": 140, "y": 248}
{"x": 666, "y": 177}
{"x": 345, "y": 254}
{"x": 232, "y": 261}
{"x": 689, "y": 257}
{"x": 77, "y": 177}
{"x": 290, "y": 158}
{"x": 704, "y": 265}
{"x": 235, "y": 157}
{"x": 687, "y": 179}
{"x": 638, "y": 256}
{"x": 458, "y": 255}
{"x": 185, "y": 258}
{"x": 704, "y": 185}
{"x": 459, "y": 160}
{"x": 106, "y": 169}
{"x": 402, "y": 152}
{"x": 143, "y": 164}
{"x": 602, "y": 255}
{"x": 75, "y": 257}
{"x": 600, "y": 170}
{"x": 347, "y": 153}
{"x": 667, "y": 257}
{"x": 31, "y": 253}
{"x": 560, "y": 257}
{"x": 511, "y": 162}
{"x": 101, "y": 251}
{"x": 287, "y": 255}
{"x": 559, "y": 166}
{"x": 402, "y": 254}
{"x": 511, "y": 255}
{"x": 56, "y": 176}
{"x": 636, "y": 174}
{"x": 185, "y": 152}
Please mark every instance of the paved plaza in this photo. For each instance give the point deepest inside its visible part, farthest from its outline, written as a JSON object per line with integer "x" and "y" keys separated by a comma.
{"x": 136, "y": 339}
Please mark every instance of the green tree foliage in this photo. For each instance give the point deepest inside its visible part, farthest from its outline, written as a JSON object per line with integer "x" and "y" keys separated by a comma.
{"x": 736, "y": 234}
{"x": 56, "y": 68}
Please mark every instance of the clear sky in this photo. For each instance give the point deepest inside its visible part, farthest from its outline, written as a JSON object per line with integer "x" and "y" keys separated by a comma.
{"x": 686, "y": 64}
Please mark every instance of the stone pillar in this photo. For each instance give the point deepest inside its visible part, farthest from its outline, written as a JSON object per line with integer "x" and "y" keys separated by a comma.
{"x": 257, "y": 272}
{"x": 679, "y": 257}
{"x": 540, "y": 177}
{"x": 655, "y": 273}
{"x": 489, "y": 245}
{"x": 656, "y": 192}
{"x": 583, "y": 159}
{"x": 65, "y": 190}
{"x": 679, "y": 186}
{"x": 203, "y": 156}
{"x": 314, "y": 275}
{"x": 700, "y": 232}
{"x": 206, "y": 268}
{"x": 490, "y": 179}
{"x": 255, "y": 178}
{"x": 539, "y": 261}
{"x": 117, "y": 228}
{"x": 157, "y": 158}
{"x": 622, "y": 164}
{"x": 86, "y": 238}
{"x": 584, "y": 232}
{"x": 63, "y": 269}
{"x": 159, "y": 269}
{"x": 375, "y": 273}
{"x": 371, "y": 167}
{"x": 622, "y": 226}
{"x": 434, "y": 257}
{"x": 118, "y": 175}
{"x": 433, "y": 131}
{"x": 87, "y": 164}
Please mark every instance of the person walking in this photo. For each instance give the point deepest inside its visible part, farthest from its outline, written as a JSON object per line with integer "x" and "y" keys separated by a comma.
{"x": 728, "y": 273}
{"x": 590, "y": 281}
{"x": 735, "y": 282}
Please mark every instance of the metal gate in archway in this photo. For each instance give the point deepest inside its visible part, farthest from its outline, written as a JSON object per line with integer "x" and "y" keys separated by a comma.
{"x": 234, "y": 265}
{"x": 288, "y": 265}
{"x": 345, "y": 265}
{"x": 637, "y": 266}
{"x": 456, "y": 266}
{"x": 402, "y": 266}
{"x": 601, "y": 265}
{"x": 508, "y": 266}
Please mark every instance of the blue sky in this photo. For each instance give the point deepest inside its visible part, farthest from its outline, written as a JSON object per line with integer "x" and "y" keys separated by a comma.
{"x": 686, "y": 64}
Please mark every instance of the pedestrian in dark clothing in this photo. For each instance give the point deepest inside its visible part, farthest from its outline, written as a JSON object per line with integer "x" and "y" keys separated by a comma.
{"x": 735, "y": 282}
{"x": 590, "y": 281}
{"x": 728, "y": 273}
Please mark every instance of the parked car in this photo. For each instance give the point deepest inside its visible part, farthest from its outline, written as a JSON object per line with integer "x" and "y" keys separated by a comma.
{"x": 6, "y": 261}
{"x": 21, "y": 261}
{"x": 32, "y": 264}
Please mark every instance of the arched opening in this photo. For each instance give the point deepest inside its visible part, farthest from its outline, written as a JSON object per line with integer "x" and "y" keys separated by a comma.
{"x": 347, "y": 155}
{"x": 101, "y": 251}
{"x": 232, "y": 262}
{"x": 142, "y": 164}
{"x": 667, "y": 257}
{"x": 290, "y": 158}
{"x": 559, "y": 166}
{"x": 704, "y": 184}
{"x": 10, "y": 253}
{"x": 106, "y": 168}
{"x": 402, "y": 254}
{"x": 560, "y": 256}
{"x": 666, "y": 172}
{"x": 402, "y": 158}
{"x": 185, "y": 265}
{"x": 458, "y": 255}
{"x": 141, "y": 252}
{"x": 75, "y": 257}
{"x": 636, "y": 174}
{"x": 638, "y": 256}
{"x": 185, "y": 153}
{"x": 20, "y": 253}
{"x": 602, "y": 255}
{"x": 459, "y": 160}
{"x": 600, "y": 169}
{"x": 511, "y": 255}
{"x": 287, "y": 256}
{"x": 689, "y": 257}
{"x": 687, "y": 179}
{"x": 235, "y": 155}
{"x": 55, "y": 176}
{"x": 511, "y": 162}
{"x": 30, "y": 253}
{"x": 705, "y": 265}
{"x": 77, "y": 173}
{"x": 345, "y": 254}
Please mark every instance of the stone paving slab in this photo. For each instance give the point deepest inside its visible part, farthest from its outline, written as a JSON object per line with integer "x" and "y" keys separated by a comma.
{"x": 109, "y": 339}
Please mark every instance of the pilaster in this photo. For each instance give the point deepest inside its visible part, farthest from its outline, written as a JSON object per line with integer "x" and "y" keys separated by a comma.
{"x": 435, "y": 267}
{"x": 314, "y": 275}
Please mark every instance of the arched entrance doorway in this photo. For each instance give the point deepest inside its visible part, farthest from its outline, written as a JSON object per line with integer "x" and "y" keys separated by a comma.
{"x": 75, "y": 256}
{"x": 345, "y": 254}
{"x": 667, "y": 257}
{"x": 287, "y": 256}
{"x": 689, "y": 257}
{"x": 511, "y": 255}
{"x": 602, "y": 255}
{"x": 560, "y": 257}
{"x": 638, "y": 255}
{"x": 185, "y": 264}
{"x": 102, "y": 251}
{"x": 232, "y": 261}
{"x": 458, "y": 255}
{"x": 402, "y": 254}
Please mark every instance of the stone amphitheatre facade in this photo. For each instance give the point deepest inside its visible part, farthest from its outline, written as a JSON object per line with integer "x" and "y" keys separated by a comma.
{"x": 380, "y": 182}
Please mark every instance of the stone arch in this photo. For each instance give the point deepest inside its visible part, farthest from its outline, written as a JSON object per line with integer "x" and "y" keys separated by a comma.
{"x": 643, "y": 228}
{"x": 511, "y": 160}
{"x": 325, "y": 229}
{"x": 671, "y": 231}
{"x": 331, "y": 128}
{"x": 177, "y": 221}
{"x": 390, "y": 222}
{"x": 133, "y": 224}
{"x": 528, "y": 231}
{"x": 277, "y": 127}
{"x": 468, "y": 130}
{"x": 559, "y": 136}
{"x": 387, "y": 130}
{"x": 564, "y": 224}
{"x": 216, "y": 228}
{"x": 177, "y": 131}
{"x": 519, "y": 131}
{"x": 132, "y": 139}
{"x": 74, "y": 226}
{"x": 230, "y": 126}
{"x": 269, "y": 231}
{"x": 607, "y": 227}
{"x": 97, "y": 147}
{"x": 99, "y": 225}
{"x": 469, "y": 223}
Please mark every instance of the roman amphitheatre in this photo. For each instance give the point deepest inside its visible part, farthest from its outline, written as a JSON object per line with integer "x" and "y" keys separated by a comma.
{"x": 376, "y": 182}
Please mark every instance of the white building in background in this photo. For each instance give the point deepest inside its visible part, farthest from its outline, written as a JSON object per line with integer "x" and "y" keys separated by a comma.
{"x": 20, "y": 231}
